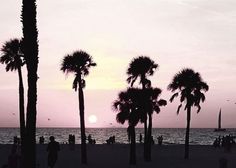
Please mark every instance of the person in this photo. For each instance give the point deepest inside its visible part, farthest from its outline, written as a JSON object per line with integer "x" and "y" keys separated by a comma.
{"x": 90, "y": 141}
{"x": 160, "y": 139}
{"x": 41, "y": 140}
{"x": 152, "y": 140}
{"x": 140, "y": 138}
{"x": 111, "y": 140}
{"x": 52, "y": 148}
{"x": 71, "y": 141}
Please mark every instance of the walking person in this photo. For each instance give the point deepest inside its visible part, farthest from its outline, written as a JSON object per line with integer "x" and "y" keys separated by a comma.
{"x": 53, "y": 148}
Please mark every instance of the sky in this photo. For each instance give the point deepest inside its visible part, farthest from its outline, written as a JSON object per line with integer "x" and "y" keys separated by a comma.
{"x": 176, "y": 34}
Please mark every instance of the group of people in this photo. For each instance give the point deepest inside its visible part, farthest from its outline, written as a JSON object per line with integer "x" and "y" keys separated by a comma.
{"x": 159, "y": 139}
{"x": 90, "y": 140}
{"x": 111, "y": 140}
{"x": 14, "y": 158}
{"x": 225, "y": 142}
{"x": 41, "y": 140}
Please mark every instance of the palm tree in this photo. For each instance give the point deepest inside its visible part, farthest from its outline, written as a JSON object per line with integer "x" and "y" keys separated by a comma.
{"x": 128, "y": 107}
{"x": 79, "y": 63}
{"x": 152, "y": 104}
{"x": 141, "y": 68}
{"x": 30, "y": 51}
{"x": 189, "y": 86}
{"x": 13, "y": 57}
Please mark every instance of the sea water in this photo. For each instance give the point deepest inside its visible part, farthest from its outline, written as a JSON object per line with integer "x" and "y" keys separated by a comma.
{"x": 198, "y": 136}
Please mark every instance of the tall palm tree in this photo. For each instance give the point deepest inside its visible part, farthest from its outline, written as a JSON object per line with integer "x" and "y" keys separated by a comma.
{"x": 189, "y": 85}
{"x": 13, "y": 57}
{"x": 128, "y": 106}
{"x": 79, "y": 63}
{"x": 141, "y": 68}
{"x": 30, "y": 50}
{"x": 152, "y": 104}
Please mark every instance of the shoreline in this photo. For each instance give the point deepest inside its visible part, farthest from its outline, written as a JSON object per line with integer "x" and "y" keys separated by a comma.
{"x": 117, "y": 156}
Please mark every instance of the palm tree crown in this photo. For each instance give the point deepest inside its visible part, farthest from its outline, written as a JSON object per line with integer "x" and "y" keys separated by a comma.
{"x": 151, "y": 101}
{"x": 189, "y": 86}
{"x": 128, "y": 106}
{"x": 134, "y": 101}
{"x": 140, "y": 68}
{"x": 79, "y": 63}
{"x": 12, "y": 55}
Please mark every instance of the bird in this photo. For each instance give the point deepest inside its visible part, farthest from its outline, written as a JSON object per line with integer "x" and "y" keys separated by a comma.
{"x": 49, "y": 119}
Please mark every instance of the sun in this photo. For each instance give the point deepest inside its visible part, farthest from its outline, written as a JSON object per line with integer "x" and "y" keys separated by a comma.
{"x": 92, "y": 119}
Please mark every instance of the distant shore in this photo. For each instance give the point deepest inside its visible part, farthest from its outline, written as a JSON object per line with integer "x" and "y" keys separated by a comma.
{"x": 117, "y": 156}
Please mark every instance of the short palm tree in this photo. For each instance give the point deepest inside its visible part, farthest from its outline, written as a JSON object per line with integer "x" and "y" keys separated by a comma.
{"x": 141, "y": 68}
{"x": 128, "y": 107}
{"x": 13, "y": 57}
{"x": 79, "y": 63}
{"x": 152, "y": 104}
{"x": 189, "y": 85}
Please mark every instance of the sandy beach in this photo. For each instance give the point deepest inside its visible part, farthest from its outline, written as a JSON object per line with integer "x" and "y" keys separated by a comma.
{"x": 117, "y": 156}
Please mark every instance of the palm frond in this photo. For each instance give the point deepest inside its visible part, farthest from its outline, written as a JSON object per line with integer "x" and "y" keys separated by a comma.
{"x": 141, "y": 66}
{"x": 162, "y": 102}
{"x": 75, "y": 83}
{"x": 174, "y": 96}
{"x": 198, "y": 108}
{"x": 178, "y": 109}
{"x": 11, "y": 54}
{"x": 133, "y": 80}
{"x": 78, "y": 62}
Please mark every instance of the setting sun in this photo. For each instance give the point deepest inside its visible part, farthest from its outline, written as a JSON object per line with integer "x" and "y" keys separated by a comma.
{"x": 92, "y": 119}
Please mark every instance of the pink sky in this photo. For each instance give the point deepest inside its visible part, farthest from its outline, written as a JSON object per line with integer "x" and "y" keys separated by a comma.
{"x": 174, "y": 33}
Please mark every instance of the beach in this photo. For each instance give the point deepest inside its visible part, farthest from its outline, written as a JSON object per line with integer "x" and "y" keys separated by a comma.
{"x": 117, "y": 156}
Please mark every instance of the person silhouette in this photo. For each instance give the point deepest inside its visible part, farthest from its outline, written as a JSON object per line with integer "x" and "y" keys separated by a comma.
{"x": 140, "y": 138}
{"x": 52, "y": 148}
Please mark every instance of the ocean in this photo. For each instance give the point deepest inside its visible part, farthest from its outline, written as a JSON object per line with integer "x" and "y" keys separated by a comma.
{"x": 198, "y": 136}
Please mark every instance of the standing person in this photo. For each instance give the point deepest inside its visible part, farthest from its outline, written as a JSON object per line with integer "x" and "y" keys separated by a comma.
{"x": 53, "y": 148}
{"x": 140, "y": 138}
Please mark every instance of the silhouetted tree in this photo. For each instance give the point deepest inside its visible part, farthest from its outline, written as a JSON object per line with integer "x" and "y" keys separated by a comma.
{"x": 141, "y": 68}
{"x": 152, "y": 104}
{"x": 189, "y": 86}
{"x": 128, "y": 106}
{"x": 30, "y": 50}
{"x": 13, "y": 57}
{"x": 79, "y": 63}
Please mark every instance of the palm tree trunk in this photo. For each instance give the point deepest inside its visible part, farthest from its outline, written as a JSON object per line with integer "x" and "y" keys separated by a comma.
{"x": 149, "y": 139}
{"x": 132, "y": 160}
{"x": 145, "y": 130}
{"x": 82, "y": 122}
{"x": 186, "y": 153}
{"x": 31, "y": 121}
{"x": 145, "y": 127}
{"x": 22, "y": 111}
{"x": 30, "y": 50}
